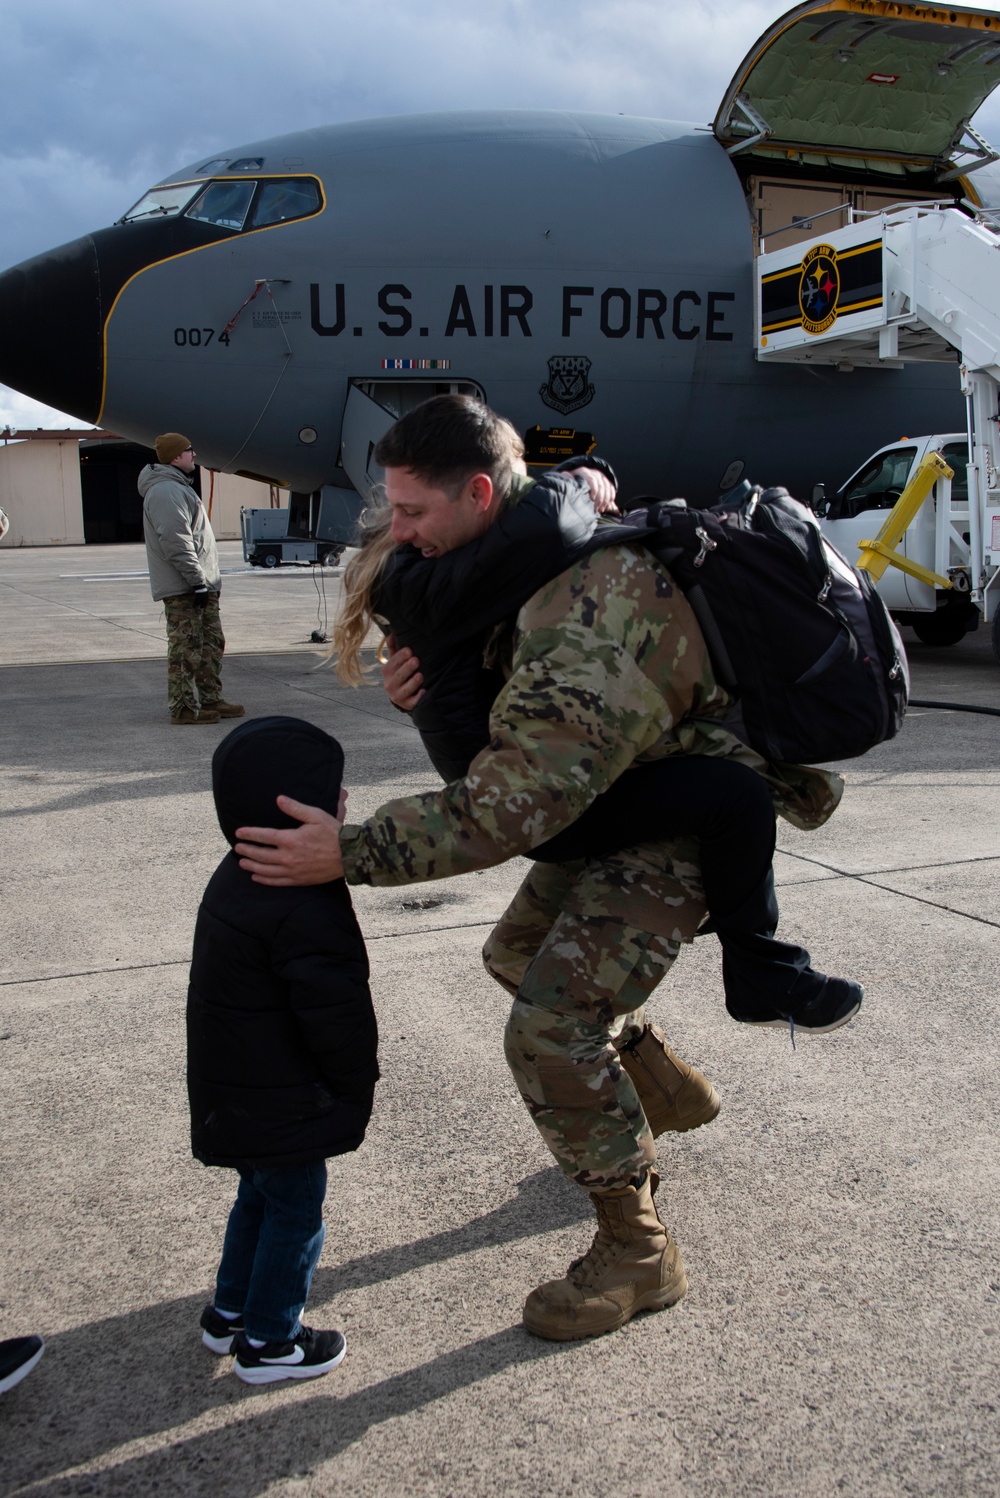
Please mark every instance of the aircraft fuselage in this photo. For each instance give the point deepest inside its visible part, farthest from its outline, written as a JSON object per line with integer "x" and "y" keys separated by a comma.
{"x": 585, "y": 272}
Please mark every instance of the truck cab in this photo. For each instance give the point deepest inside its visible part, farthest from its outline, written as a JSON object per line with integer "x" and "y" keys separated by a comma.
{"x": 858, "y": 509}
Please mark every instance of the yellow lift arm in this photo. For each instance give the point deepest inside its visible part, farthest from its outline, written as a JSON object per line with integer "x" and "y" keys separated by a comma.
{"x": 879, "y": 554}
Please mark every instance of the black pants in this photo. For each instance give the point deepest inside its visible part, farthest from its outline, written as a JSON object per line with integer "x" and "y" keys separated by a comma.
{"x": 728, "y": 807}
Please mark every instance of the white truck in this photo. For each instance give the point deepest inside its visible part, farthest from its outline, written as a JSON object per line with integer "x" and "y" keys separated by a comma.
{"x": 937, "y": 539}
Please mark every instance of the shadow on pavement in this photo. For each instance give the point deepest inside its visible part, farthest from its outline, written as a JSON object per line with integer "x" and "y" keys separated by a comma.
{"x": 258, "y": 1449}
{"x": 166, "y": 783}
{"x": 545, "y": 1201}
{"x": 102, "y": 1385}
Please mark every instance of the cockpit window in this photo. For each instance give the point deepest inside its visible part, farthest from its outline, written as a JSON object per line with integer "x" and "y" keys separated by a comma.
{"x": 279, "y": 201}
{"x": 232, "y": 203}
{"x": 247, "y": 164}
{"x": 218, "y": 165}
{"x": 161, "y": 202}
{"x": 223, "y": 203}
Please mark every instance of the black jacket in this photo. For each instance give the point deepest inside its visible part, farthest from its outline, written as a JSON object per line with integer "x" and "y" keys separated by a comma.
{"x": 444, "y": 608}
{"x": 282, "y": 1038}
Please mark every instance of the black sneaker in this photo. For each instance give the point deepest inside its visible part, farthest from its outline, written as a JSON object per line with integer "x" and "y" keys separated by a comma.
{"x": 829, "y": 1006}
{"x": 309, "y": 1355}
{"x": 17, "y": 1358}
{"x": 217, "y": 1332}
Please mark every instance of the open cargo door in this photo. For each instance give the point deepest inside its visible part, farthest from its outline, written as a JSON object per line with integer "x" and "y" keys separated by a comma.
{"x": 856, "y": 87}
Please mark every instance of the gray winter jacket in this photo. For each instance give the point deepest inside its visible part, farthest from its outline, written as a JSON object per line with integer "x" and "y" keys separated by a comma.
{"x": 180, "y": 546}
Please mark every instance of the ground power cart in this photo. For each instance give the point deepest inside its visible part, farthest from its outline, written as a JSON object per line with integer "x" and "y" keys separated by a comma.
{"x": 266, "y": 542}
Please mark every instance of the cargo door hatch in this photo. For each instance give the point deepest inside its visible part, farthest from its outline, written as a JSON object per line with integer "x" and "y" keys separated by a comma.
{"x": 869, "y": 85}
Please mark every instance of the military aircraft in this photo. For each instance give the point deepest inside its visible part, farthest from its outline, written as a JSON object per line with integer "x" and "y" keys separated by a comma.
{"x": 591, "y": 276}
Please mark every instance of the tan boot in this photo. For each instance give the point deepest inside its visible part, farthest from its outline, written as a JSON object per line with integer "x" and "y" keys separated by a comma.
{"x": 632, "y": 1265}
{"x": 224, "y": 709}
{"x": 190, "y": 715}
{"x": 674, "y": 1096}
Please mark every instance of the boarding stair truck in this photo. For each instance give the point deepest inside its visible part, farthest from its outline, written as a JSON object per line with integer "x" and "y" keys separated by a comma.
{"x": 266, "y": 542}
{"x": 903, "y": 285}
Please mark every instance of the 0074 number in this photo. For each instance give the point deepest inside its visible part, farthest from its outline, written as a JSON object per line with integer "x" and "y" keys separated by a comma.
{"x": 197, "y": 337}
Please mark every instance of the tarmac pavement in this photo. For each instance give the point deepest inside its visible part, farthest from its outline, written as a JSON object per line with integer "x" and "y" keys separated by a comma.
{"x": 839, "y": 1221}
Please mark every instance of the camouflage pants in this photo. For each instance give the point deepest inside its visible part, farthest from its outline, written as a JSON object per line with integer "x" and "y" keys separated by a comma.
{"x": 581, "y": 947}
{"x": 195, "y": 644}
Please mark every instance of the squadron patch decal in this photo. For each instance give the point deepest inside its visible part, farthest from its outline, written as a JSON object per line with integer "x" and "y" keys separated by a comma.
{"x": 819, "y": 289}
{"x": 568, "y": 389}
{"x": 822, "y": 288}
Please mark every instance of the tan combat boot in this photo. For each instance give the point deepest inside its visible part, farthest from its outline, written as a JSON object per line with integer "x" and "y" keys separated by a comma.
{"x": 632, "y": 1265}
{"x": 190, "y": 715}
{"x": 224, "y": 709}
{"x": 674, "y": 1096}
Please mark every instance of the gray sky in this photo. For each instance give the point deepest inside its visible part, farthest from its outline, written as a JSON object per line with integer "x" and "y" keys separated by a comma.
{"x": 99, "y": 105}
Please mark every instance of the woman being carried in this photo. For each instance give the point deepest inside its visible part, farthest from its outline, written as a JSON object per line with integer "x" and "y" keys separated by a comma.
{"x": 450, "y": 610}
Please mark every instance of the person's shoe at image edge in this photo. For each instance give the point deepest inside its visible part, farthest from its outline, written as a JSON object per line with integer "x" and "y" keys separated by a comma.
{"x": 18, "y": 1356}
{"x": 190, "y": 715}
{"x": 309, "y": 1354}
{"x": 632, "y": 1265}
{"x": 218, "y": 1332}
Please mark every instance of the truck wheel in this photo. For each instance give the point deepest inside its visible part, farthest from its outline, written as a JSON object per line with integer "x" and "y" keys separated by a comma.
{"x": 946, "y": 627}
{"x": 270, "y": 560}
{"x": 331, "y": 557}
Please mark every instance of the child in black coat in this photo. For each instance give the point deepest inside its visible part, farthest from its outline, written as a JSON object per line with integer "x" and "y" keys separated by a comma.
{"x": 282, "y": 1062}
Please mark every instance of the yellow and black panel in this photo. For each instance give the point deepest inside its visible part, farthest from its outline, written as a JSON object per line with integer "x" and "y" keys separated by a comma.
{"x": 821, "y": 287}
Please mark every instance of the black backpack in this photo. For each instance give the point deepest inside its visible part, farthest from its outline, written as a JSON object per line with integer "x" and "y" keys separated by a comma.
{"x": 797, "y": 635}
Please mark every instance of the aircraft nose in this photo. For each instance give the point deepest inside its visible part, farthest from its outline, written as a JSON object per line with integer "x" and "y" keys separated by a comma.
{"x": 50, "y": 329}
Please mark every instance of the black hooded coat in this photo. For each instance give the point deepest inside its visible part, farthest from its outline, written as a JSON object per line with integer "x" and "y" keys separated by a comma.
{"x": 282, "y": 1037}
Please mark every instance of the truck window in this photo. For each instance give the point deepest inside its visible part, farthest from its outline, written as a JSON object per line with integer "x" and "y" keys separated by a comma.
{"x": 956, "y": 455}
{"x": 876, "y": 487}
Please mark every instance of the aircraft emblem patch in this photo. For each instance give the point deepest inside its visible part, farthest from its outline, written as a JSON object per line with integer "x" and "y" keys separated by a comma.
{"x": 819, "y": 289}
{"x": 568, "y": 388}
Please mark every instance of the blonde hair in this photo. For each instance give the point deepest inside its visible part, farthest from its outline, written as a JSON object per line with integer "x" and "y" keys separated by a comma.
{"x": 360, "y": 578}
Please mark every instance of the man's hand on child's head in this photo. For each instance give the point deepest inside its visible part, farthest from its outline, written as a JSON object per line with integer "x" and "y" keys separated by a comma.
{"x": 309, "y": 854}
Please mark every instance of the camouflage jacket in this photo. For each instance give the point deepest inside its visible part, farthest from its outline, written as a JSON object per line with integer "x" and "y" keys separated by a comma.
{"x": 609, "y": 667}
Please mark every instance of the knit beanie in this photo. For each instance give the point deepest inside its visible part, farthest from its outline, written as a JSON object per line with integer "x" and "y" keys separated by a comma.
{"x": 170, "y": 446}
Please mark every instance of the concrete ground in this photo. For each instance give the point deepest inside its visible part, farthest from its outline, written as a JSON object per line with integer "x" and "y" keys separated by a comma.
{"x": 839, "y": 1221}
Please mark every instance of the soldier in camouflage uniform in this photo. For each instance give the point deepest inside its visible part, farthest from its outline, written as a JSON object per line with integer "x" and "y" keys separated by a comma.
{"x": 195, "y": 646}
{"x": 184, "y": 575}
{"x": 609, "y": 669}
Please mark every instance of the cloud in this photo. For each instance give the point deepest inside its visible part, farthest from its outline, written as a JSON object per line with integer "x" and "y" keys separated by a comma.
{"x": 99, "y": 106}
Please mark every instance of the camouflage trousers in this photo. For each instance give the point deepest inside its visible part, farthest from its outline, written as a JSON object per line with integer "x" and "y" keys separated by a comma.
{"x": 195, "y": 644}
{"x": 581, "y": 947}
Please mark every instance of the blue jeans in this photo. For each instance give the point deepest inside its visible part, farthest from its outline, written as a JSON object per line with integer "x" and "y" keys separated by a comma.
{"x": 273, "y": 1241}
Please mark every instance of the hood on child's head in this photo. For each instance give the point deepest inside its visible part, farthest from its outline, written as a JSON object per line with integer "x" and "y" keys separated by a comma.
{"x": 269, "y": 757}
